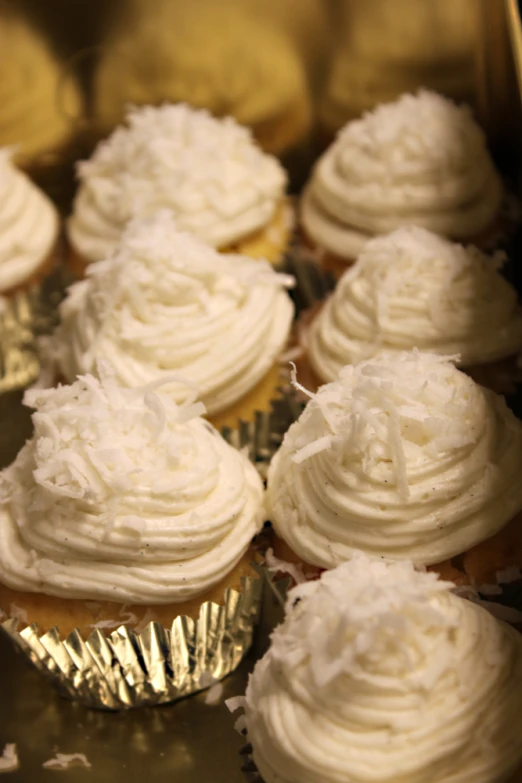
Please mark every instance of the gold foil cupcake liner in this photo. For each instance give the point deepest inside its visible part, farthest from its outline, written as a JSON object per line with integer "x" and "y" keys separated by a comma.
{"x": 127, "y": 668}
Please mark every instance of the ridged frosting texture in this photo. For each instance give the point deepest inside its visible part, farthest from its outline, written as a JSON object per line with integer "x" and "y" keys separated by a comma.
{"x": 40, "y": 99}
{"x": 412, "y": 288}
{"x": 403, "y": 457}
{"x": 28, "y": 224}
{"x": 420, "y": 160}
{"x": 379, "y": 674}
{"x": 125, "y": 496}
{"x": 208, "y": 172}
{"x": 166, "y": 302}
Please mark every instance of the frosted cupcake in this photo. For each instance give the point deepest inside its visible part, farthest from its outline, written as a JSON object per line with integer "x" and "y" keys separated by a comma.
{"x": 385, "y": 49}
{"x": 39, "y": 105}
{"x": 29, "y": 229}
{"x": 167, "y": 303}
{"x": 208, "y": 173}
{"x": 122, "y": 497}
{"x": 190, "y": 52}
{"x": 421, "y": 160}
{"x": 402, "y": 457}
{"x": 380, "y": 673}
{"x": 412, "y": 288}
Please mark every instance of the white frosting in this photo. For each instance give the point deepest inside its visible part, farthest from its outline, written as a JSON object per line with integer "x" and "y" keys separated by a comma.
{"x": 420, "y": 160}
{"x": 412, "y": 289}
{"x": 403, "y": 456}
{"x": 28, "y": 224}
{"x": 381, "y": 674}
{"x": 208, "y": 172}
{"x": 165, "y": 303}
{"x": 122, "y": 495}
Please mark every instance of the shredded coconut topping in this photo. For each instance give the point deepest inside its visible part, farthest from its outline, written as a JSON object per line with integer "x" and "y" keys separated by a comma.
{"x": 123, "y": 495}
{"x": 403, "y": 455}
{"x": 166, "y": 303}
{"x": 413, "y": 288}
{"x": 419, "y": 160}
{"x": 207, "y": 172}
{"x": 387, "y": 668}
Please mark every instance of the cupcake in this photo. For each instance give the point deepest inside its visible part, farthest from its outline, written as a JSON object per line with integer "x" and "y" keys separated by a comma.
{"x": 39, "y": 105}
{"x": 421, "y": 160}
{"x": 414, "y": 289}
{"x": 209, "y": 173}
{"x": 381, "y": 673}
{"x": 403, "y": 457}
{"x": 167, "y": 306}
{"x": 385, "y": 49}
{"x": 190, "y": 52}
{"x": 126, "y": 507}
{"x": 29, "y": 228}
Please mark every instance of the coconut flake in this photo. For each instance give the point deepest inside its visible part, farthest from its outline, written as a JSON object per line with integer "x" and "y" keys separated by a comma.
{"x": 9, "y": 758}
{"x": 509, "y": 575}
{"x": 274, "y": 564}
{"x": 235, "y": 703}
{"x": 214, "y": 694}
{"x": 67, "y": 760}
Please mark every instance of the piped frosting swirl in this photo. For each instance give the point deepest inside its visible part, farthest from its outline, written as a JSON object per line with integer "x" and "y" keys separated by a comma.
{"x": 167, "y": 303}
{"x": 123, "y": 495}
{"x": 379, "y": 674}
{"x": 28, "y": 224}
{"x": 412, "y": 288}
{"x": 420, "y": 160}
{"x": 403, "y": 457}
{"x": 208, "y": 172}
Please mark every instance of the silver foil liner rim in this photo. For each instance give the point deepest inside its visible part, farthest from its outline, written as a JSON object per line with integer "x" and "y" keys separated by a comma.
{"x": 126, "y": 668}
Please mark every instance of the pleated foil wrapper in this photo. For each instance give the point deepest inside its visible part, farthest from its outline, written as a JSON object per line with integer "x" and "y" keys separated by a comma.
{"x": 127, "y": 668}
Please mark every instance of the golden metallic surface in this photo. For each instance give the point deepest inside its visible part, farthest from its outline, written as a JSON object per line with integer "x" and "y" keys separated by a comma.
{"x": 125, "y": 669}
{"x": 186, "y": 742}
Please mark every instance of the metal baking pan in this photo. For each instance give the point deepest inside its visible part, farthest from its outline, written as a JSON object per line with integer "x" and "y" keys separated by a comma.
{"x": 192, "y": 741}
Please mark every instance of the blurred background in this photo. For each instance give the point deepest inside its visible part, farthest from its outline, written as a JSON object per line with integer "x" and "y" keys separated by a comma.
{"x": 293, "y": 70}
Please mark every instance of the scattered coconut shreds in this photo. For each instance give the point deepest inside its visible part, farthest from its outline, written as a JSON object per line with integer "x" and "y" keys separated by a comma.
{"x": 274, "y": 564}
{"x": 214, "y": 694}
{"x": 508, "y": 575}
{"x": 235, "y": 703}
{"x": 206, "y": 680}
{"x": 67, "y": 760}
{"x": 9, "y": 758}
{"x": 105, "y": 624}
